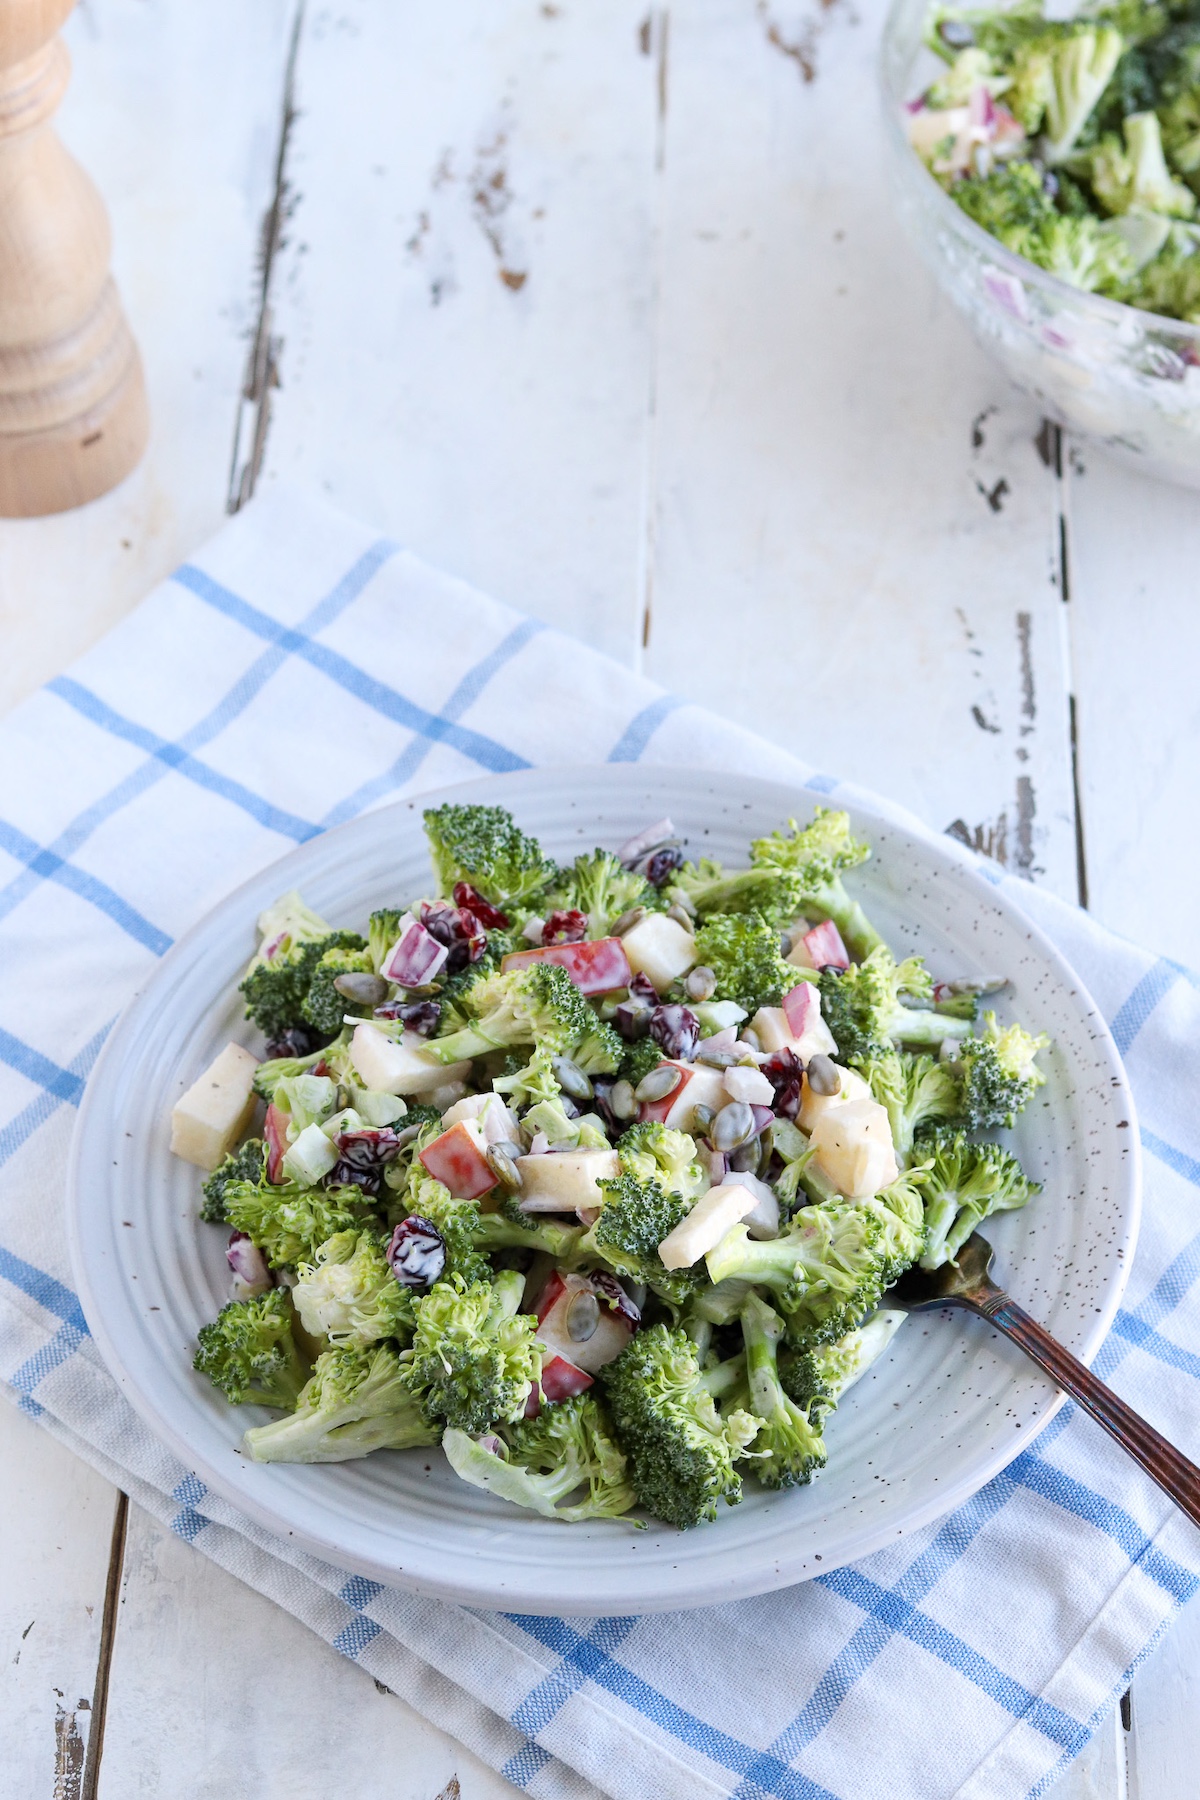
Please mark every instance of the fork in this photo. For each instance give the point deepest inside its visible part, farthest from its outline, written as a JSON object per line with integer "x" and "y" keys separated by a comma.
{"x": 967, "y": 1282}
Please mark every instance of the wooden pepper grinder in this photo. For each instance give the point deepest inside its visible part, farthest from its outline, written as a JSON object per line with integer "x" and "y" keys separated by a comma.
{"x": 73, "y": 416}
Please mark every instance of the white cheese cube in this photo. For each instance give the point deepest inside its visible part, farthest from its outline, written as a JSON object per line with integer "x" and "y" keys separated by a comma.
{"x": 399, "y": 1067}
{"x": 749, "y": 1084}
{"x": 563, "y": 1180}
{"x": 854, "y": 1148}
{"x": 815, "y": 1106}
{"x": 216, "y": 1110}
{"x": 660, "y": 949}
{"x": 713, "y": 1215}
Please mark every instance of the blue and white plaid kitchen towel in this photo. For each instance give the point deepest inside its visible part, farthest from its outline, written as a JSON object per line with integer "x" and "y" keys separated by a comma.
{"x": 298, "y": 672}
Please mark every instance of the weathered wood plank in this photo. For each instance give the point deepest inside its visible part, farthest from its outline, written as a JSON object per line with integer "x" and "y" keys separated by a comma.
{"x": 217, "y": 1694}
{"x": 1166, "y": 1715}
{"x": 464, "y": 301}
{"x": 854, "y": 535}
{"x": 56, "y": 1525}
{"x": 1135, "y": 634}
{"x": 174, "y": 112}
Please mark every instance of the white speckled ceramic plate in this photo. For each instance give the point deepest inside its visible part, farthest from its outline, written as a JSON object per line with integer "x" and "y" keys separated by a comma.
{"x": 947, "y": 1409}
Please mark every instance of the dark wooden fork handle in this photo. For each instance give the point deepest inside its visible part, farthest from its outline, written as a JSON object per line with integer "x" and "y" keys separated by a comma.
{"x": 1163, "y": 1463}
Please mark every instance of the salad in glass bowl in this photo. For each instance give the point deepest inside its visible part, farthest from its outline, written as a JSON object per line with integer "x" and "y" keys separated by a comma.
{"x": 1051, "y": 169}
{"x": 596, "y": 1175}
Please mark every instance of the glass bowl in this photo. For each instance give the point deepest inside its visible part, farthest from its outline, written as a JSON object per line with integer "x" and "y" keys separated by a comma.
{"x": 1127, "y": 379}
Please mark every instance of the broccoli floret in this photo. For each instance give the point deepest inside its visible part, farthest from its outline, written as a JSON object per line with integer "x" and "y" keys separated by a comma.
{"x": 997, "y": 31}
{"x": 356, "y": 1401}
{"x": 827, "y": 1269}
{"x": 603, "y": 888}
{"x": 681, "y": 1450}
{"x": 540, "y": 1462}
{"x": 349, "y": 1294}
{"x": 453, "y": 990}
{"x": 818, "y": 856}
{"x": 862, "y": 1006}
{"x": 1080, "y": 60}
{"x": 638, "y": 1059}
{"x": 1012, "y": 204}
{"x": 1136, "y": 178}
{"x": 965, "y": 1184}
{"x": 1170, "y": 283}
{"x": 998, "y": 1074}
{"x": 743, "y": 952}
{"x": 294, "y": 938}
{"x": 916, "y": 1090}
{"x": 776, "y": 894}
{"x": 529, "y": 1084}
{"x": 250, "y": 1354}
{"x": 288, "y": 1222}
{"x": 536, "y": 1004}
{"x": 474, "y": 1357}
{"x": 482, "y": 845}
{"x": 900, "y": 1212}
{"x": 246, "y": 1164}
{"x": 652, "y": 1152}
{"x": 817, "y": 1378}
{"x": 634, "y": 1220}
{"x": 383, "y": 928}
{"x": 323, "y": 1007}
{"x": 269, "y": 1074}
{"x": 788, "y": 1450}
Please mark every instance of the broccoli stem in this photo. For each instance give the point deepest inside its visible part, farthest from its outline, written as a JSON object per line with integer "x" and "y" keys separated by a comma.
{"x": 762, "y": 1329}
{"x": 911, "y": 1026}
{"x": 858, "y": 934}
{"x": 724, "y": 1377}
{"x": 495, "y": 1232}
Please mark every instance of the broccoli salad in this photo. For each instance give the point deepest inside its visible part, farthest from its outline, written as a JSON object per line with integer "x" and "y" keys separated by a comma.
{"x": 596, "y": 1176}
{"x": 1075, "y": 142}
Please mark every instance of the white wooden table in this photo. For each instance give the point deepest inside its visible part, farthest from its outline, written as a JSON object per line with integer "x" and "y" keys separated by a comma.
{"x": 606, "y": 309}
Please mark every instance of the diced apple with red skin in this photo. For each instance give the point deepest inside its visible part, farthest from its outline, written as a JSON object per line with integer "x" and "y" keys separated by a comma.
{"x": 457, "y": 1160}
{"x": 275, "y": 1136}
{"x": 796, "y": 1025}
{"x": 561, "y": 1380}
{"x": 612, "y": 1330}
{"x": 699, "y": 1086}
{"x": 598, "y": 967}
{"x": 825, "y": 947}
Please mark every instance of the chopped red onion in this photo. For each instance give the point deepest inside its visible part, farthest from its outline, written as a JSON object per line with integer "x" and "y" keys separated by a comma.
{"x": 415, "y": 958}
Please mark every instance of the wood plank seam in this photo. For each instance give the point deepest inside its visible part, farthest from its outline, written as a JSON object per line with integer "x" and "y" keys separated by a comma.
{"x": 654, "y": 39}
{"x": 262, "y": 364}
{"x": 108, "y": 1631}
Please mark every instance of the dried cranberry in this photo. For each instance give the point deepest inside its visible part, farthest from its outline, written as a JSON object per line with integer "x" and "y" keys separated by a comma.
{"x": 782, "y": 1068}
{"x": 489, "y": 916}
{"x": 417, "y": 1252}
{"x": 663, "y": 864}
{"x": 297, "y": 1040}
{"x": 642, "y": 988}
{"x": 420, "y": 1016}
{"x": 362, "y": 1156}
{"x": 458, "y": 929}
{"x": 568, "y": 927}
{"x": 676, "y": 1031}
